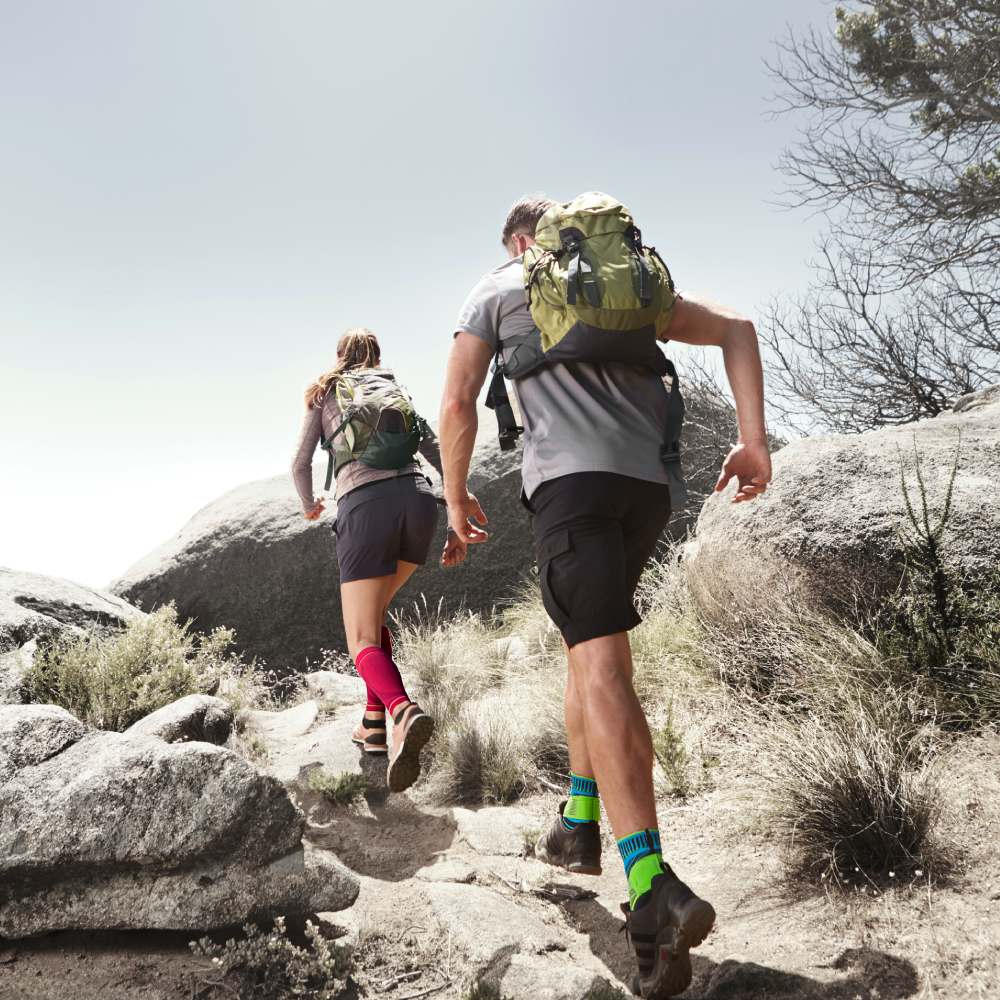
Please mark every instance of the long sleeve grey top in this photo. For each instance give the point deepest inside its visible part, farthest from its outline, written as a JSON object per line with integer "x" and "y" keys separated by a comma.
{"x": 319, "y": 422}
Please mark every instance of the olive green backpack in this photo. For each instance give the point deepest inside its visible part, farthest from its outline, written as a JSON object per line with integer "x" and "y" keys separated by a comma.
{"x": 379, "y": 425}
{"x": 595, "y": 291}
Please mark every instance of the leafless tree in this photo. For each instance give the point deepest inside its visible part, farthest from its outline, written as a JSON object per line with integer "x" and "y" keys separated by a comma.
{"x": 901, "y": 152}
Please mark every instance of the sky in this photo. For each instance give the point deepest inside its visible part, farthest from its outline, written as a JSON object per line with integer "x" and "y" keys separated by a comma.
{"x": 197, "y": 198}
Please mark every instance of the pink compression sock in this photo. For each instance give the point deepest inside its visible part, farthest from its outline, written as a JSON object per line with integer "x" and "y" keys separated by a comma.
{"x": 377, "y": 670}
{"x": 374, "y": 702}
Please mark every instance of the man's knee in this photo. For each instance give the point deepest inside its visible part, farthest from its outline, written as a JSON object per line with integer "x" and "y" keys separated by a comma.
{"x": 602, "y": 664}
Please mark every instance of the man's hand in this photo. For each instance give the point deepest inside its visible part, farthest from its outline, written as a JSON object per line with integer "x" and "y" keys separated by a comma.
{"x": 317, "y": 508}
{"x": 461, "y": 533}
{"x": 751, "y": 465}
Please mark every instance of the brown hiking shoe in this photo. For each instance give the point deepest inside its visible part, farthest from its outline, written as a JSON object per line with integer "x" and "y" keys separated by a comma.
{"x": 369, "y": 735}
{"x": 411, "y": 730}
{"x": 670, "y": 921}
{"x": 577, "y": 850}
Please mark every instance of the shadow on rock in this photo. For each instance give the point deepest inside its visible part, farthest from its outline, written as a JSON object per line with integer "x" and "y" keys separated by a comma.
{"x": 392, "y": 842}
{"x": 869, "y": 974}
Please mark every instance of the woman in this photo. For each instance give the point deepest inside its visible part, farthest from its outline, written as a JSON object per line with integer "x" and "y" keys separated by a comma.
{"x": 386, "y": 518}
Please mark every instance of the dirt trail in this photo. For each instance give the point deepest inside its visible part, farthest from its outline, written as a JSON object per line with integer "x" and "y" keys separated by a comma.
{"x": 447, "y": 895}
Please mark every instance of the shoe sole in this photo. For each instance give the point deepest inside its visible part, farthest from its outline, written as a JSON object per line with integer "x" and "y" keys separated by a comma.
{"x": 404, "y": 769}
{"x": 369, "y": 748}
{"x": 574, "y": 868}
{"x": 672, "y": 973}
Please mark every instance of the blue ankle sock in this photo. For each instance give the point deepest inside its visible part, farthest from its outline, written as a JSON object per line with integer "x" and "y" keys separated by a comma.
{"x": 583, "y": 805}
{"x": 643, "y": 860}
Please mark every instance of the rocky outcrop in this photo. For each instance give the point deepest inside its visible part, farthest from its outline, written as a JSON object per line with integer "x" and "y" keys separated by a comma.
{"x": 836, "y": 506}
{"x": 109, "y": 830}
{"x": 251, "y": 562}
{"x": 198, "y": 717}
{"x": 37, "y": 608}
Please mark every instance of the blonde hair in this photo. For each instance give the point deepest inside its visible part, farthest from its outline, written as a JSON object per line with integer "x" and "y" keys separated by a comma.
{"x": 358, "y": 348}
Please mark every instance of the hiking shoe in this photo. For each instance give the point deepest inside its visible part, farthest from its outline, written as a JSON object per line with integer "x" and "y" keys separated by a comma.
{"x": 670, "y": 921}
{"x": 577, "y": 850}
{"x": 411, "y": 730}
{"x": 370, "y": 735}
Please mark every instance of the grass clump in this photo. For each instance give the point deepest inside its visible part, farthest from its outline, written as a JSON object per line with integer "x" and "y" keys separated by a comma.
{"x": 112, "y": 680}
{"x": 338, "y": 789}
{"x": 858, "y": 789}
{"x": 269, "y": 966}
{"x": 495, "y": 698}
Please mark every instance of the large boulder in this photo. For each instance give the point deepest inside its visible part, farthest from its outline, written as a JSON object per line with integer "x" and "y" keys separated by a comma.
{"x": 109, "y": 830}
{"x": 37, "y": 608}
{"x": 836, "y": 508}
{"x": 250, "y": 561}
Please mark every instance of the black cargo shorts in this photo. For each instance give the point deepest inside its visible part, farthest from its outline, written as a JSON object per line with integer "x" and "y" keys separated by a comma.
{"x": 594, "y": 533}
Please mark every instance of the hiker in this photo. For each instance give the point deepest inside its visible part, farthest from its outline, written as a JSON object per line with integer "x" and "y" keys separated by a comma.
{"x": 386, "y": 516}
{"x": 573, "y": 318}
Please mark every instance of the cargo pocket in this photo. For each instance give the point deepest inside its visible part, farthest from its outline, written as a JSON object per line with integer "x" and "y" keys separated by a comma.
{"x": 552, "y": 553}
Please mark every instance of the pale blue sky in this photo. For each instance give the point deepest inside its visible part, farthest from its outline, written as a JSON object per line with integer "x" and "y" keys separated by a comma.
{"x": 196, "y": 198}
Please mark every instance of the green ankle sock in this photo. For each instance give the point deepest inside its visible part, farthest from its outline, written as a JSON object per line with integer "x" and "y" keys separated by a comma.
{"x": 643, "y": 862}
{"x": 583, "y": 805}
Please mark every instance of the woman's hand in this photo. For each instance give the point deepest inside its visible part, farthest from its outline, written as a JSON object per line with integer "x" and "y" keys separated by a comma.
{"x": 750, "y": 464}
{"x": 317, "y": 508}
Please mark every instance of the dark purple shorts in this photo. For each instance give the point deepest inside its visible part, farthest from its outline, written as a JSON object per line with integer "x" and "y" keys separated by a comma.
{"x": 384, "y": 522}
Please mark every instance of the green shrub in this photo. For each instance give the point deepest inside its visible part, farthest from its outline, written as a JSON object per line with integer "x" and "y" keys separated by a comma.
{"x": 268, "y": 966}
{"x": 339, "y": 789}
{"x": 671, "y": 755}
{"x": 937, "y": 626}
{"x": 112, "y": 681}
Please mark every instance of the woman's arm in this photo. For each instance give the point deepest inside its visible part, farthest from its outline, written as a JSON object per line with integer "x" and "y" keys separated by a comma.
{"x": 312, "y": 431}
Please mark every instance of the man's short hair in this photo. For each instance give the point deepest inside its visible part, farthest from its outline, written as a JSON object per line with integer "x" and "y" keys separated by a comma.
{"x": 524, "y": 215}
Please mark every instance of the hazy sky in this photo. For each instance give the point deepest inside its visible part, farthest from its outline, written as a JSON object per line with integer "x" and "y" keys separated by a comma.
{"x": 197, "y": 198}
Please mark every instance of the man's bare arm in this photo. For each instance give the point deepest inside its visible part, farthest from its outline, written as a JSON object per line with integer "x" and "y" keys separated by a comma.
{"x": 706, "y": 325}
{"x": 468, "y": 365}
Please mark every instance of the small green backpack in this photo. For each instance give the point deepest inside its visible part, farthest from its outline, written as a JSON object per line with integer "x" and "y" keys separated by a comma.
{"x": 379, "y": 425}
{"x": 595, "y": 292}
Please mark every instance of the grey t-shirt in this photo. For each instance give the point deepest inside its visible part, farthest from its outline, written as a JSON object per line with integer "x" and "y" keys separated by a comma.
{"x": 577, "y": 417}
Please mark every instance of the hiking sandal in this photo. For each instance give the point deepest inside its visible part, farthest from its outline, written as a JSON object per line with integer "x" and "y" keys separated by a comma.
{"x": 370, "y": 735}
{"x": 404, "y": 764}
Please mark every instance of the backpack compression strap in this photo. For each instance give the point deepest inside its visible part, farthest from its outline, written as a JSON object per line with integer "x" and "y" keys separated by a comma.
{"x": 327, "y": 445}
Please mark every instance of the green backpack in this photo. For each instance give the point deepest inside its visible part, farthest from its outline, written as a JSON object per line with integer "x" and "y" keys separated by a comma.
{"x": 595, "y": 292}
{"x": 379, "y": 425}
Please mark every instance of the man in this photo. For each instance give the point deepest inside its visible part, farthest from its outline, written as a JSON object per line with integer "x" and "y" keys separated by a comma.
{"x": 598, "y": 488}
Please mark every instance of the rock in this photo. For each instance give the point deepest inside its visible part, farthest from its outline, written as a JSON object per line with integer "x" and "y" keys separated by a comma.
{"x": 835, "y": 508}
{"x": 214, "y": 894}
{"x": 447, "y": 870}
{"x": 251, "y": 562}
{"x": 32, "y": 734}
{"x": 196, "y": 717}
{"x": 335, "y": 689}
{"x": 32, "y": 605}
{"x": 497, "y": 830}
{"x": 542, "y": 978}
{"x": 36, "y": 607}
{"x": 483, "y": 924}
{"x": 110, "y": 830}
{"x": 284, "y": 725}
